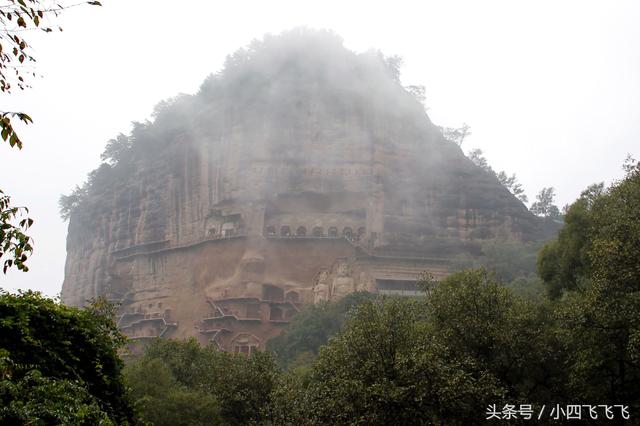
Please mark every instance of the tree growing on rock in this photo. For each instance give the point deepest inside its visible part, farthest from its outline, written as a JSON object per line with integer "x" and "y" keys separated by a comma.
{"x": 544, "y": 205}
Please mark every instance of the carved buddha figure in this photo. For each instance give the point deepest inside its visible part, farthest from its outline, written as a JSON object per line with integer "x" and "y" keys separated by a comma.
{"x": 321, "y": 287}
{"x": 246, "y": 281}
{"x": 365, "y": 283}
{"x": 343, "y": 282}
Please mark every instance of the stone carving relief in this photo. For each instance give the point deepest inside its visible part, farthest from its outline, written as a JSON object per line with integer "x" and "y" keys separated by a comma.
{"x": 245, "y": 282}
{"x": 343, "y": 283}
{"x": 321, "y": 287}
{"x": 365, "y": 283}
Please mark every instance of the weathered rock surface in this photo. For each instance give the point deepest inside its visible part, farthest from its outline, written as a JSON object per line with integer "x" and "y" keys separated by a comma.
{"x": 300, "y": 173}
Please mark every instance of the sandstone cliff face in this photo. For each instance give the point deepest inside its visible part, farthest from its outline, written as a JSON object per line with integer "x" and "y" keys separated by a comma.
{"x": 300, "y": 173}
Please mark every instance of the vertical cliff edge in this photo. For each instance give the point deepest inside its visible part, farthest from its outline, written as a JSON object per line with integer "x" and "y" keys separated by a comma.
{"x": 299, "y": 173}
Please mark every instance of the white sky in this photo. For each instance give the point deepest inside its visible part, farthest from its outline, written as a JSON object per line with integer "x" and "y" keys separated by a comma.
{"x": 551, "y": 89}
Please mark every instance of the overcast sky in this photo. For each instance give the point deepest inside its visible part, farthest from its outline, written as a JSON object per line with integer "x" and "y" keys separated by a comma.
{"x": 551, "y": 89}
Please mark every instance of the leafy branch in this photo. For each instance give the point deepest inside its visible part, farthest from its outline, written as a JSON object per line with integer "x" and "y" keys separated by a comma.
{"x": 16, "y": 17}
{"x": 7, "y": 131}
{"x": 13, "y": 241}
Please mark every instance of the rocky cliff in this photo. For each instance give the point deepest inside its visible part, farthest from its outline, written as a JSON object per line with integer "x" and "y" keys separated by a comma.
{"x": 299, "y": 173}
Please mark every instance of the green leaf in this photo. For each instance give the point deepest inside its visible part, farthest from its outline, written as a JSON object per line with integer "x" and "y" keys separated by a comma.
{"x": 24, "y": 117}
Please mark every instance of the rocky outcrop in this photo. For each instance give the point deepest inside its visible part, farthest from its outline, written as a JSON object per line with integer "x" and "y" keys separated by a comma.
{"x": 300, "y": 173}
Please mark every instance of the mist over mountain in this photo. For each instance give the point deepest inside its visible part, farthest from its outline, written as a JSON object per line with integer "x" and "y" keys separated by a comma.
{"x": 301, "y": 172}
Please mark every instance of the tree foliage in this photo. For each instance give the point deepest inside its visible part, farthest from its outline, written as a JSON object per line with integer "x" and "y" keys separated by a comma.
{"x": 544, "y": 205}
{"x": 418, "y": 92}
{"x": 7, "y": 132}
{"x": 599, "y": 232}
{"x": 512, "y": 184}
{"x": 456, "y": 135}
{"x": 383, "y": 368}
{"x": 512, "y": 338}
{"x": 183, "y": 383}
{"x": 17, "y": 17}
{"x": 436, "y": 360}
{"x": 564, "y": 262}
{"x": 116, "y": 149}
{"x": 312, "y": 328}
{"x": 163, "y": 400}
{"x": 50, "y": 348}
{"x": 32, "y": 398}
{"x": 594, "y": 263}
{"x": 68, "y": 203}
{"x": 478, "y": 158}
{"x": 393, "y": 64}
{"x": 508, "y": 260}
{"x": 14, "y": 243}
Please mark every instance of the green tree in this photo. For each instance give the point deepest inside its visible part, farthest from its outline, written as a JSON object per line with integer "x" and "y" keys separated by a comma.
{"x": 600, "y": 331}
{"x": 385, "y": 368}
{"x": 31, "y": 398}
{"x": 68, "y": 203}
{"x": 512, "y": 262}
{"x": 477, "y": 157}
{"x": 14, "y": 243}
{"x": 57, "y": 348}
{"x": 244, "y": 386}
{"x": 162, "y": 400}
{"x": 418, "y": 93}
{"x": 597, "y": 260}
{"x": 237, "y": 388}
{"x": 512, "y": 184}
{"x": 511, "y": 338}
{"x": 116, "y": 149}
{"x": 393, "y": 64}
{"x": 543, "y": 206}
{"x": 312, "y": 328}
{"x": 456, "y": 135}
{"x": 439, "y": 360}
{"x": 564, "y": 263}
{"x": 508, "y": 260}
{"x": 615, "y": 231}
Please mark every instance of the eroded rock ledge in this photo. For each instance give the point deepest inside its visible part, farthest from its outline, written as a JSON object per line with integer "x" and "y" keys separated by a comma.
{"x": 300, "y": 173}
